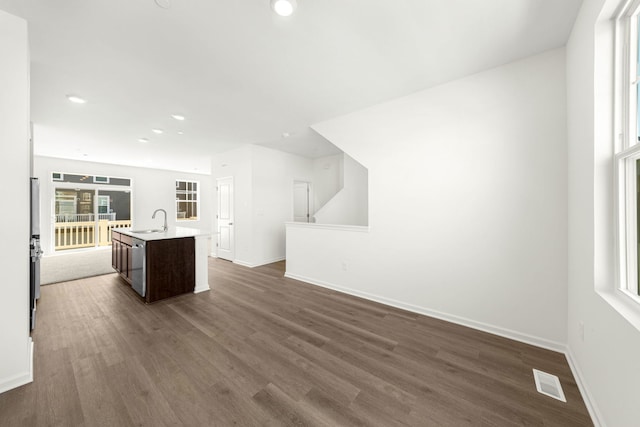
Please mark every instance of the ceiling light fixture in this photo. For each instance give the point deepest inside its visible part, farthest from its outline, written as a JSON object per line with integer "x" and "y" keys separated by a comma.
{"x": 177, "y": 117}
{"x": 158, "y": 131}
{"x": 165, "y": 4}
{"x": 283, "y": 7}
{"x": 76, "y": 99}
{"x": 180, "y": 132}
{"x": 143, "y": 140}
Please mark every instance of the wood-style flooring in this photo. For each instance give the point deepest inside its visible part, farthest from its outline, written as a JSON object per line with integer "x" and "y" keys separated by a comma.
{"x": 260, "y": 349}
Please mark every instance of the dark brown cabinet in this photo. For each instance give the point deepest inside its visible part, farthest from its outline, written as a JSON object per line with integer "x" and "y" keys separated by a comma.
{"x": 121, "y": 254}
{"x": 170, "y": 267}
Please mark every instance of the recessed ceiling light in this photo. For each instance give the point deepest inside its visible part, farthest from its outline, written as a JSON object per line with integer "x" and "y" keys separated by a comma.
{"x": 177, "y": 117}
{"x": 180, "y": 132}
{"x": 286, "y": 134}
{"x": 143, "y": 139}
{"x": 158, "y": 131}
{"x": 165, "y": 4}
{"x": 283, "y": 7}
{"x": 76, "y": 99}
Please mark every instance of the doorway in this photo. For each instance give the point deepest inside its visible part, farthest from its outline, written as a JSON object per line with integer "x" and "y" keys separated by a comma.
{"x": 226, "y": 239}
{"x": 301, "y": 201}
{"x": 84, "y": 217}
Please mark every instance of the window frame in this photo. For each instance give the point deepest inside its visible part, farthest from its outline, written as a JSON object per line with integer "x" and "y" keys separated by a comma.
{"x": 627, "y": 150}
{"x": 58, "y": 181}
{"x": 196, "y": 201}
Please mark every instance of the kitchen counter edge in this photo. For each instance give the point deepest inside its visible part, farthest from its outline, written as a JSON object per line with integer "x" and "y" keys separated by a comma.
{"x": 172, "y": 233}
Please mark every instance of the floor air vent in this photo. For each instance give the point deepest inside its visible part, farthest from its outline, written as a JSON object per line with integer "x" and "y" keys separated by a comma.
{"x": 548, "y": 385}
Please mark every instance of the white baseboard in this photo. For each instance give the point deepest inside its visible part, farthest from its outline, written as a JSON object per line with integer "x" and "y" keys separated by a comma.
{"x": 270, "y": 261}
{"x": 596, "y": 416}
{"x": 20, "y": 379}
{"x": 201, "y": 289}
{"x": 263, "y": 262}
{"x": 243, "y": 263}
{"x": 495, "y": 330}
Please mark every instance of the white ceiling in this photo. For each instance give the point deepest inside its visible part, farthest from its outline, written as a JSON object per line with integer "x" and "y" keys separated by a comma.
{"x": 241, "y": 74}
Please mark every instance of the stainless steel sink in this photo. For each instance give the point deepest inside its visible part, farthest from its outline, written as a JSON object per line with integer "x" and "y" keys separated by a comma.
{"x": 147, "y": 231}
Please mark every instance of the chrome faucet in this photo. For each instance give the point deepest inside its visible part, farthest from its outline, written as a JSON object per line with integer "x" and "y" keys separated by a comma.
{"x": 164, "y": 227}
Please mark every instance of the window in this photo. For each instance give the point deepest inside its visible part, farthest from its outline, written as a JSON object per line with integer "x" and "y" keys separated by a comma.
{"x": 187, "y": 207}
{"x": 87, "y": 208}
{"x": 627, "y": 150}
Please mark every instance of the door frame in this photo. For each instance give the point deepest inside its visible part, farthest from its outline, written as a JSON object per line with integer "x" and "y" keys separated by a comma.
{"x": 310, "y": 210}
{"x": 233, "y": 209}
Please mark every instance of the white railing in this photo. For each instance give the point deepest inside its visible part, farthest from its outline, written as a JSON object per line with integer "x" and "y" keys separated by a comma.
{"x": 82, "y": 234}
{"x": 85, "y": 217}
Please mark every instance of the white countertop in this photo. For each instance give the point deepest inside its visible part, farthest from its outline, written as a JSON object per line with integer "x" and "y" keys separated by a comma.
{"x": 171, "y": 233}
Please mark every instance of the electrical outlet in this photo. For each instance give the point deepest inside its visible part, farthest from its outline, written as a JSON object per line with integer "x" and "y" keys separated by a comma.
{"x": 581, "y": 330}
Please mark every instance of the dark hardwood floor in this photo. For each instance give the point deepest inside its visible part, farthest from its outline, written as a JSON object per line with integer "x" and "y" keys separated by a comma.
{"x": 259, "y": 349}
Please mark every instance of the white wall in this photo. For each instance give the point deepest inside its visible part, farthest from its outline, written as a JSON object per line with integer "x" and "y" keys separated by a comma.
{"x": 607, "y": 358}
{"x": 327, "y": 179}
{"x": 467, "y": 203}
{"x": 263, "y": 199}
{"x": 274, "y": 173}
{"x": 356, "y": 179}
{"x": 15, "y": 343}
{"x": 350, "y": 205}
{"x": 151, "y": 189}
{"x": 237, "y": 164}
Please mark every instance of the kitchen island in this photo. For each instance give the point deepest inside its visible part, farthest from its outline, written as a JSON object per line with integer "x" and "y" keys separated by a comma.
{"x": 160, "y": 264}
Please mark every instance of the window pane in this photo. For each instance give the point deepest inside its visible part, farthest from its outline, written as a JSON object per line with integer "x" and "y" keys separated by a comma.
{"x": 637, "y": 37}
{"x": 187, "y": 210}
{"x": 635, "y": 286}
{"x": 637, "y": 115}
{"x": 85, "y": 205}
{"x": 74, "y": 205}
{"x": 114, "y": 205}
{"x": 186, "y": 200}
{"x": 90, "y": 179}
{"x": 635, "y": 92}
{"x": 65, "y": 205}
{"x": 74, "y": 221}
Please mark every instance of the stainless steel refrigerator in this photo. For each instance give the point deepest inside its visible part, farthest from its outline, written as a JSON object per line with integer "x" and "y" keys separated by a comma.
{"x": 36, "y": 252}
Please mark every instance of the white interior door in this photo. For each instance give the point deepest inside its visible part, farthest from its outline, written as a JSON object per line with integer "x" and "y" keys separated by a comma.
{"x": 225, "y": 245}
{"x": 301, "y": 202}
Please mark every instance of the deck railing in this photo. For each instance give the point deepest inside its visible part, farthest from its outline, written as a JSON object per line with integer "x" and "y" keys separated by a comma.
{"x": 85, "y": 217}
{"x": 82, "y": 234}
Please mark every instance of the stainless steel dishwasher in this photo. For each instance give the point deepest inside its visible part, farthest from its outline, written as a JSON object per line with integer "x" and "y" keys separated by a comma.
{"x": 139, "y": 267}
